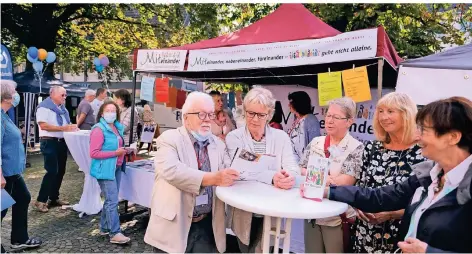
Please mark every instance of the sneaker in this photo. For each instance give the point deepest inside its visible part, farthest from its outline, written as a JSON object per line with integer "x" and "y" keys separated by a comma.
{"x": 42, "y": 207}
{"x": 57, "y": 202}
{"x": 119, "y": 239}
{"x": 31, "y": 243}
{"x": 103, "y": 233}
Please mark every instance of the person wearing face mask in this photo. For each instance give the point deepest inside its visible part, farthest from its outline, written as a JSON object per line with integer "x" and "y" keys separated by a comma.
{"x": 53, "y": 120}
{"x": 186, "y": 216}
{"x": 107, "y": 152}
{"x": 12, "y": 165}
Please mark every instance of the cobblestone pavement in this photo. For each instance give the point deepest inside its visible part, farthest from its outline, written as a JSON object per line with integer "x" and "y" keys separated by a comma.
{"x": 63, "y": 230}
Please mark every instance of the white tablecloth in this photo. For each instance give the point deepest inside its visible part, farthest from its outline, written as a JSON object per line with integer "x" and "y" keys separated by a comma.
{"x": 79, "y": 147}
{"x": 136, "y": 184}
{"x": 265, "y": 199}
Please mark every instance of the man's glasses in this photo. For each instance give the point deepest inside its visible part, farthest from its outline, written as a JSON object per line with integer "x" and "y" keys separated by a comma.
{"x": 64, "y": 95}
{"x": 261, "y": 116}
{"x": 335, "y": 117}
{"x": 203, "y": 115}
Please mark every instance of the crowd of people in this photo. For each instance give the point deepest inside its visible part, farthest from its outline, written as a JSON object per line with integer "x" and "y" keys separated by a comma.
{"x": 408, "y": 190}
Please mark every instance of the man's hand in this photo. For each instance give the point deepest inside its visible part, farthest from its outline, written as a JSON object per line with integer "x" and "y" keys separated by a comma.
{"x": 413, "y": 245}
{"x": 3, "y": 182}
{"x": 70, "y": 128}
{"x": 283, "y": 180}
{"x": 362, "y": 216}
{"x": 225, "y": 177}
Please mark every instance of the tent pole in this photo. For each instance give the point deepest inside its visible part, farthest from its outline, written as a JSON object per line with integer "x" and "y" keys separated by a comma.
{"x": 380, "y": 78}
{"x": 132, "y": 109}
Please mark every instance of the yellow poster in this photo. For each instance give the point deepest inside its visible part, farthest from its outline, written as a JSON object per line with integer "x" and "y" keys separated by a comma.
{"x": 356, "y": 84}
{"x": 329, "y": 87}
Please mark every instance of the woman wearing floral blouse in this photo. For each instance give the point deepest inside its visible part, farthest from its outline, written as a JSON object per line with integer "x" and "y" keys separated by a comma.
{"x": 386, "y": 161}
{"x": 327, "y": 235}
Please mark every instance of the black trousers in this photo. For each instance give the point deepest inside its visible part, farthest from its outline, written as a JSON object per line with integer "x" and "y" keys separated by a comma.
{"x": 200, "y": 238}
{"x": 55, "y": 158}
{"x": 17, "y": 189}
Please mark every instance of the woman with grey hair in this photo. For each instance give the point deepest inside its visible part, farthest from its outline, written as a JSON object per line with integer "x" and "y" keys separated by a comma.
{"x": 258, "y": 137}
{"x": 12, "y": 165}
{"x": 326, "y": 235}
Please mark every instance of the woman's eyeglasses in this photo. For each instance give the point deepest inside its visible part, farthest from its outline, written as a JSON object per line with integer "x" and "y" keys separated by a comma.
{"x": 335, "y": 117}
{"x": 203, "y": 115}
{"x": 261, "y": 116}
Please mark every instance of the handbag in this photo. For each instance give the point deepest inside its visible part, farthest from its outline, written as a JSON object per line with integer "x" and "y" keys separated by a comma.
{"x": 345, "y": 222}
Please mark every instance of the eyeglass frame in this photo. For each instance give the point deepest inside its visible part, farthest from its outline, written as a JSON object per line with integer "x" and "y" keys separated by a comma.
{"x": 335, "y": 117}
{"x": 206, "y": 115}
{"x": 248, "y": 113}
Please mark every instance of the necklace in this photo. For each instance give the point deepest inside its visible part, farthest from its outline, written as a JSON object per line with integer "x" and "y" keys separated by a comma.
{"x": 439, "y": 185}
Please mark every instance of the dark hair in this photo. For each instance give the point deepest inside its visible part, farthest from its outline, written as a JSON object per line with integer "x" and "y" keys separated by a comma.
{"x": 452, "y": 114}
{"x": 100, "y": 91}
{"x": 102, "y": 108}
{"x": 300, "y": 102}
{"x": 125, "y": 96}
{"x": 213, "y": 93}
{"x": 277, "y": 118}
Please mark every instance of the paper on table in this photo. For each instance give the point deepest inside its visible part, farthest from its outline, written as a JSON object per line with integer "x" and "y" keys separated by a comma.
{"x": 329, "y": 87}
{"x": 356, "y": 84}
{"x": 316, "y": 176}
{"x": 7, "y": 200}
{"x": 251, "y": 166}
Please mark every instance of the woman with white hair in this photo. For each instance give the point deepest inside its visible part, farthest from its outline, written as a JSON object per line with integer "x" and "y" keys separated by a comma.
{"x": 258, "y": 137}
{"x": 12, "y": 165}
{"x": 326, "y": 235}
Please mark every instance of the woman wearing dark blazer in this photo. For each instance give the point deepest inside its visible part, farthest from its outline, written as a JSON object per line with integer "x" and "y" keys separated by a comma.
{"x": 438, "y": 197}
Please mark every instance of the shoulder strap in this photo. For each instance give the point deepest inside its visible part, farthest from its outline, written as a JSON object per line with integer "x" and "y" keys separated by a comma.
{"x": 326, "y": 146}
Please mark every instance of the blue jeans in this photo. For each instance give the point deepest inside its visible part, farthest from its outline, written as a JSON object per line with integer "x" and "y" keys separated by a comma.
{"x": 110, "y": 219}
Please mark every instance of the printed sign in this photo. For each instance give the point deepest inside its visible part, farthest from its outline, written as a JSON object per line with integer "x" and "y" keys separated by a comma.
{"x": 344, "y": 47}
{"x": 160, "y": 60}
{"x": 329, "y": 87}
{"x": 362, "y": 128}
{"x": 6, "y": 64}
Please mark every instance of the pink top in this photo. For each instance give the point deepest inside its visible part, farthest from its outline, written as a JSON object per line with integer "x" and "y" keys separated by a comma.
{"x": 96, "y": 142}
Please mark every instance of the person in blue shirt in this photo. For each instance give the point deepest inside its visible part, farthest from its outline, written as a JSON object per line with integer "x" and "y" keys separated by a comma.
{"x": 12, "y": 165}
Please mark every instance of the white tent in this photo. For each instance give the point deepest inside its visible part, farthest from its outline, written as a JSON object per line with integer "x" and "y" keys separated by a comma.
{"x": 437, "y": 76}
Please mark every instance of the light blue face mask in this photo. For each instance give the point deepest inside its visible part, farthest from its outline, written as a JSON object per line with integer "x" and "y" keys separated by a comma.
{"x": 200, "y": 137}
{"x": 16, "y": 100}
{"x": 110, "y": 117}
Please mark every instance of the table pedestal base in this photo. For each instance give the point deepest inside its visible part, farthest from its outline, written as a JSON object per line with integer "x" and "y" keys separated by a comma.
{"x": 278, "y": 233}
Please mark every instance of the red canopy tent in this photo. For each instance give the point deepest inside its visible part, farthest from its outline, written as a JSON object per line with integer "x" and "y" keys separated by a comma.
{"x": 290, "y": 26}
{"x": 289, "y": 23}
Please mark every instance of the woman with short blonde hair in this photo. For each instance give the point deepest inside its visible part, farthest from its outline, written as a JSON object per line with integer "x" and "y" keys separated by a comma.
{"x": 386, "y": 161}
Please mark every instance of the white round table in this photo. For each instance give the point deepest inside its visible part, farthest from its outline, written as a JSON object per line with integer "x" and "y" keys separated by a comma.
{"x": 271, "y": 202}
{"x": 79, "y": 147}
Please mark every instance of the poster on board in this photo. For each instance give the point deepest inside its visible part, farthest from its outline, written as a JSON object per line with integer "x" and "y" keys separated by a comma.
{"x": 362, "y": 128}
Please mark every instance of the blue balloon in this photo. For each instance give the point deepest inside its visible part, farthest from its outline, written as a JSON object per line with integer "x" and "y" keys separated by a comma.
{"x": 33, "y": 52}
{"x": 38, "y": 66}
{"x": 31, "y": 59}
{"x": 96, "y": 61}
{"x": 51, "y": 57}
{"x": 99, "y": 68}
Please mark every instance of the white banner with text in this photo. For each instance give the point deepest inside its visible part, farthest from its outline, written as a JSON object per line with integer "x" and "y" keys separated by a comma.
{"x": 160, "y": 60}
{"x": 344, "y": 47}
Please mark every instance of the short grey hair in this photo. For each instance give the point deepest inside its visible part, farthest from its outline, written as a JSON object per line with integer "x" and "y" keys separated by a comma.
{"x": 260, "y": 95}
{"x": 7, "y": 89}
{"x": 195, "y": 98}
{"x": 55, "y": 89}
{"x": 90, "y": 92}
{"x": 348, "y": 106}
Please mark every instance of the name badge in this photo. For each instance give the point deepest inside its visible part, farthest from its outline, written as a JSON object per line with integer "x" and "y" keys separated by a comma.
{"x": 202, "y": 200}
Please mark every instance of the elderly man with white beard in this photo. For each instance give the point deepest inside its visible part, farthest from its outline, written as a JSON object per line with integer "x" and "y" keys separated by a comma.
{"x": 190, "y": 161}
